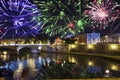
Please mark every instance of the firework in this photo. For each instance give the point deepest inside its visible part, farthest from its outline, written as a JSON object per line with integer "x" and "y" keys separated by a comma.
{"x": 102, "y": 12}
{"x": 18, "y": 18}
{"x": 61, "y": 17}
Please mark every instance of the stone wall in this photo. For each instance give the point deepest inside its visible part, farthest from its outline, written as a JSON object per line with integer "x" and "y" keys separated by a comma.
{"x": 112, "y": 49}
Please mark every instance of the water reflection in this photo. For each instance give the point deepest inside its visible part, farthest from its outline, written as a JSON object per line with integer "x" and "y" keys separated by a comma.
{"x": 90, "y": 63}
{"x": 31, "y": 64}
{"x": 18, "y": 71}
{"x": 115, "y": 67}
{"x": 4, "y": 57}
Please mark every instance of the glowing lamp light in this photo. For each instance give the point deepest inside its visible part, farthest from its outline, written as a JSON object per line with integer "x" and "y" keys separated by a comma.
{"x": 119, "y": 40}
{"x": 39, "y": 47}
{"x": 62, "y": 64}
{"x": 107, "y": 71}
{"x": 73, "y": 46}
{"x": 64, "y": 61}
{"x": 106, "y": 36}
{"x": 5, "y": 52}
{"x": 113, "y": 47}
{"x": 4, "y": 57}
{"x": 76, "y": 42}
{"x": 90, "y": 46}
{"x": 90, "y": 63}
{"x": 63, "y": 41}
{"x": 114, "y": 67}
{"x": 73, "y": 60}
{"x": 82, "y": 43}
{"x": 27, "y": 56}
{"x": 4, "y": 43}
{"x": 32, "y": 42}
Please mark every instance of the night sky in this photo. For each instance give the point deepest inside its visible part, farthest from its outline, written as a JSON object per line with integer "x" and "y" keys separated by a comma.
{"x": 111, "y": 28}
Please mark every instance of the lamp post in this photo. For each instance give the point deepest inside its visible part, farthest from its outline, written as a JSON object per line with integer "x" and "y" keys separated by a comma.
{"x": 113, "y": 47}
{"x": 107, "y": 73}
{"x": 106, "y": 39}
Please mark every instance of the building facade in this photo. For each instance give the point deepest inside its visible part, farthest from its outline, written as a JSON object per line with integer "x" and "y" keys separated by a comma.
{"x": 113, "y": 38}
{"x": 93, "y": 38}
{"x": 89, "y": 38}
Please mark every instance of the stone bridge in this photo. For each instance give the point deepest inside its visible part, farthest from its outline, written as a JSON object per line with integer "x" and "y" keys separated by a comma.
{"x": 15, "y": 48}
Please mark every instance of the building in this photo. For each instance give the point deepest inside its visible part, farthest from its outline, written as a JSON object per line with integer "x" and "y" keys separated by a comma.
{"x": 82, "y": 39}
{"x": 58, "y": 41}
{"x": 89, "y": 38}
{"x": 93, "y": 38}
{"x": 113, "y": 38}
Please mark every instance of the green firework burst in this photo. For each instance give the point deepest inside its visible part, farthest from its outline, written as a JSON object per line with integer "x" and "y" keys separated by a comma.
{"x": 61, "y": 17}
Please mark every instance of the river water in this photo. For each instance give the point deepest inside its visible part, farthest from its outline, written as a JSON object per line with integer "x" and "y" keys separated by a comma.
{"x": 30, "y": 64}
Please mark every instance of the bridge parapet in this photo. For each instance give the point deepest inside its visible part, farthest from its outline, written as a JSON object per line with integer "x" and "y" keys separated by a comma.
{"x": 17, "y": 47}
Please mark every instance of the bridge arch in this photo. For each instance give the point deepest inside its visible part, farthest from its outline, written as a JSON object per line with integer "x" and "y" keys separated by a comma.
{"x": 21, "y": 49}
{"x": 35, "y": 48}
{"x": 24, "y": 50}
{"x": 9, "y": 50}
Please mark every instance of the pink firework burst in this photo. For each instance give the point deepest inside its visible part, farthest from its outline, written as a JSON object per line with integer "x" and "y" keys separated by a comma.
{"x": 102, "y": 12}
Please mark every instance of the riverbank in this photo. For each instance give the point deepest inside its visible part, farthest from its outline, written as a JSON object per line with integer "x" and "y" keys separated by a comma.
{"x": 113, "y": 57}
{"x": 91, "y": 79}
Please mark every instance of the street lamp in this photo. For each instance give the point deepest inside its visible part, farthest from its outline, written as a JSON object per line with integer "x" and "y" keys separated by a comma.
{"x": 90, "y": 46}
{"x": 107, "y": 73}
{"x": 90, "y": 63}
{"x": 114, "y": 47}
{"x": 114, "y": 67}
{"x": 5, "y": 52}
{"x": 106, "y": 38}
{"x": 73, "y": 46}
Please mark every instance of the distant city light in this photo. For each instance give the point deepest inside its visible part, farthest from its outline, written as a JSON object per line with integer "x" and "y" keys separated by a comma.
{"x": 5, "y": 52}
{"x": 106, "y": 36}
{"x": 39, "y": 47}
{"x": 73, "y": 60}
{"x": 4, "y": 57}
{"x": 107, "y": 71}
{"x": 113, "y": 47}
{"x": 114, "y": 67}
{"x": 73, "y": 46}
{"x": 90, "y": 63}
{"x": 76, "y": 42}
{"x": 90, "y": 46}
{"x": 82, "y": 43}
{"x": 62, "y": 64}
{"x": 4, "y": 43}
{"x": 32, "y": 42}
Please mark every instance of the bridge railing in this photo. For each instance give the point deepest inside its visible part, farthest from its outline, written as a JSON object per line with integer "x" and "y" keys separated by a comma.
{"x": 22, "y": 44}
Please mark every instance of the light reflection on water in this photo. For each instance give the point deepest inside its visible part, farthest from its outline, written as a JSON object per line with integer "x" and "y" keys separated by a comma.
{"x": 4, "y": 57}
{"x": 30, "y": 64}
{"x": 18, "y": 71}
{"x": 26, "y": 67}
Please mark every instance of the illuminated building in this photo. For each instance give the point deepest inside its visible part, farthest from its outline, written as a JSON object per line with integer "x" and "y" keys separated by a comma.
{"x": 93, "y": 38}
{"x": 89, "y": 38}
{"x": 58, "y": 41}
{"x": 113, "y": 38}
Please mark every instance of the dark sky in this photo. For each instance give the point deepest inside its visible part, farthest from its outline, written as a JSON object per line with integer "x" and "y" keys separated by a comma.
{"x": 111, "y": 28}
